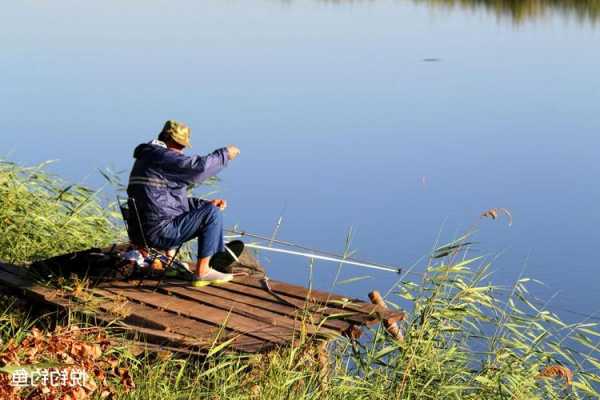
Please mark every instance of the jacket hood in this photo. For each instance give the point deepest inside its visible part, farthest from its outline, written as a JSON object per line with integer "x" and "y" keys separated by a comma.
{"x": 150, "y": 149}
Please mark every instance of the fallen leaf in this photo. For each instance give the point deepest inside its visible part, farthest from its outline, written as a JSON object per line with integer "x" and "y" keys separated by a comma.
{"x": 558, "y": 371}
{"x": 493, "y": 213}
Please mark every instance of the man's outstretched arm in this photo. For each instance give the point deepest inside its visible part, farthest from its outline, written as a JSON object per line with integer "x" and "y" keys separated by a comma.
{"x": 196, "y": 169}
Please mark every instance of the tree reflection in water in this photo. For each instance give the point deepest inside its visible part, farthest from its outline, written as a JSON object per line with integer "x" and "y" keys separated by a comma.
{"x": 517, "y": 10}
{"x": 523, "y": 10}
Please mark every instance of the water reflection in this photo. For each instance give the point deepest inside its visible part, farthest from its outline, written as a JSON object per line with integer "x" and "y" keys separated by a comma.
{"x": 517, "y": 10}
{"x": 522, "y": 10}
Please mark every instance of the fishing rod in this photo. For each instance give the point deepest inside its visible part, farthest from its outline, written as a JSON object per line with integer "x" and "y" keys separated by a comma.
{"x": 310, "y": 253}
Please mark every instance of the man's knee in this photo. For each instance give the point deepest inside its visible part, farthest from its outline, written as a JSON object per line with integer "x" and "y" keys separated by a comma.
{"x": 214, "y": 216}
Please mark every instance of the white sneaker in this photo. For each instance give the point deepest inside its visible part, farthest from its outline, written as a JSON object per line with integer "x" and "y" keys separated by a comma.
{"x": 212, "y": 277}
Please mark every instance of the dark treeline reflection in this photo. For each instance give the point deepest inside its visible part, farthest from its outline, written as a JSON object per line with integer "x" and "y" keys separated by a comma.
{"x": 522, "y": 10}
{"x": 517, "y": 10}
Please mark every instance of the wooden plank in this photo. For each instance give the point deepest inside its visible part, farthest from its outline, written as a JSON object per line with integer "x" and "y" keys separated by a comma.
{"x": 211, "y": 315}
{"x": 262, "y": 317}
{"x": 11, "y": 276}
{"x": 175, "y": 337}
{"x": 15, "y": 278}
{"x": 245, "y": 306}
{"x": 142, "y": 315}
{"x": 336, "y": 316}
{"x": 298, "y": 291}
{"x": 139, "y": 314}
{"x": 252, "y": 312}
{"x": 331, "y": 315}
{"x": 161, "y": 337}
{"x": 261, "y": 298}
{"x": 264, "y": 300}
{"x": 374, "y": 312}
{"x": 18, "y": 279}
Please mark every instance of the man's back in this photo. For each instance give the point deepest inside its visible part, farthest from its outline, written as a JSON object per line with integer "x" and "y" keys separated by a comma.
{"x": 160, "y": 177}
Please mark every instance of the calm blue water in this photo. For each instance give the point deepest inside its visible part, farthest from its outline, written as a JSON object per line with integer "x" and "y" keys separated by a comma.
{"x": 340, "y": 121}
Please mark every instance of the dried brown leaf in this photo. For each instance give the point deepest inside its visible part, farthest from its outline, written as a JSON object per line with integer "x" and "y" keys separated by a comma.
{"x": 558, "y": 371}
{"x": 494, "y": 213}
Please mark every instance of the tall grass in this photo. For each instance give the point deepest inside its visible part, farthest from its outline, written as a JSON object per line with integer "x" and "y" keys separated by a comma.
{"x": 464, "y": 338}
{"x": 42, "y": 216}
{"x": 467, "y": 338}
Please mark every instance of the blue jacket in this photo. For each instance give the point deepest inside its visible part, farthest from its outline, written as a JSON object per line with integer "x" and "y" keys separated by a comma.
{"x": 160, "y": 179}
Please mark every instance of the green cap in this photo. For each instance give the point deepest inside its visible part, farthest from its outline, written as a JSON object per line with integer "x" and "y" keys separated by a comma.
{"x": 178, "y": 132}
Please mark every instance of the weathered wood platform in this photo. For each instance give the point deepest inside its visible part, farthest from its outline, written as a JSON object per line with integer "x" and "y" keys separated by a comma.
{"x": 248, "y": 314}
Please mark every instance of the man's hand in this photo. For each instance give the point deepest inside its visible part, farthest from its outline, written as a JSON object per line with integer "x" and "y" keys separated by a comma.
{"x": 219, "y": 203}
{"x": 232, "y": 151}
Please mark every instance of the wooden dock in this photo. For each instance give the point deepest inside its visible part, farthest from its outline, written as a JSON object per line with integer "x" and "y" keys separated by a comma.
{"x": 250, "y": 314}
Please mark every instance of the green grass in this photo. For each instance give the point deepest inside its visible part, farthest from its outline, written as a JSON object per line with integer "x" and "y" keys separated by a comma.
{"x": 42, "y": 216}
{"x": 465, "y": 338}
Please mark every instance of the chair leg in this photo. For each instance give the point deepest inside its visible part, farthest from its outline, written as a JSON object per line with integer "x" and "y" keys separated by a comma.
{"x": 154, "y": 254}
{"x": 168, "y": 266}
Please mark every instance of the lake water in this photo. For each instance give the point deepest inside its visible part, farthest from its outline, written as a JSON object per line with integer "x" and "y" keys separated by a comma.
{"x": 403, "y": 119}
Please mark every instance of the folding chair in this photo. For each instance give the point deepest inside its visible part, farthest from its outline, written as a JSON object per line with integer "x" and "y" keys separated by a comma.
{"x": 135, "y": 232}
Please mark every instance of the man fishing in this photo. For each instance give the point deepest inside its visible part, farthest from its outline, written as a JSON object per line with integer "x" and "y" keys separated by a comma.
{"x": 159, "y": 182}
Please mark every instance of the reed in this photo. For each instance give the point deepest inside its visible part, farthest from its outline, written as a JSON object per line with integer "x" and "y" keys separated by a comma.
{"x": 464, "y": 338}
{"x": 42, "y": 216}
{"x": 469, "y": 339}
